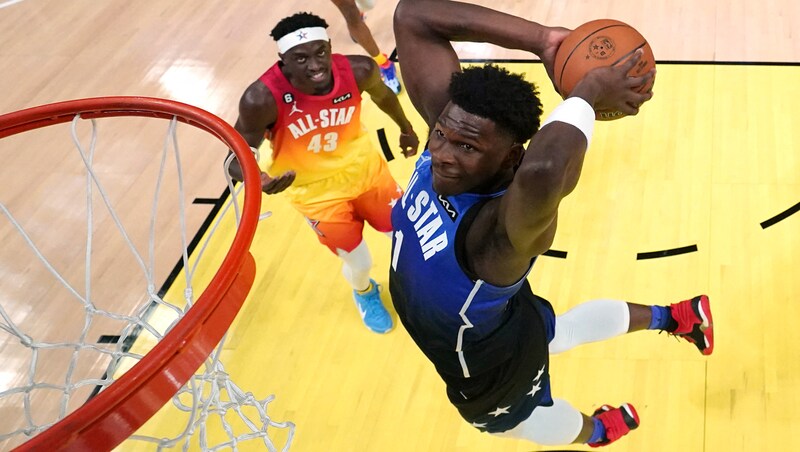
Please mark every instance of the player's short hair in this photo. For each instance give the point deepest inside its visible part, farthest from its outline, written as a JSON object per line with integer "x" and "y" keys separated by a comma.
{"x": 296, "y": 22}
{"x": 496, "y": 94}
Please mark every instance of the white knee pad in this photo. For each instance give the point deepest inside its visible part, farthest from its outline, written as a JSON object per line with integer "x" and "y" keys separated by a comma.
{"x": 357, "y": 264}
{"x": 555, "y": 425}
{"x": 592, "y": 321}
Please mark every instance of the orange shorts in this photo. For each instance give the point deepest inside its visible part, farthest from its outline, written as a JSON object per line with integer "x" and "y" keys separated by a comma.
{"x": 337, "y": 207}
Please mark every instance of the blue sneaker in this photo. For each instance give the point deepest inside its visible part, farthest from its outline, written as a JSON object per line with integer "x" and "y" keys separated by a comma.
{"x": 374, "y": 315}
{"x": 389, "y": 77}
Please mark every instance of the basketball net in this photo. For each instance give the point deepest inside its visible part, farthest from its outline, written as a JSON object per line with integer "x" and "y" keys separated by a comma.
{"x": 213, "y": 411}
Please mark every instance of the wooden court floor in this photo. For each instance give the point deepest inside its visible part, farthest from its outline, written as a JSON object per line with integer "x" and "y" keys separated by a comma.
{"x": 694, "y": 186}
{"x": 701, "y": 176}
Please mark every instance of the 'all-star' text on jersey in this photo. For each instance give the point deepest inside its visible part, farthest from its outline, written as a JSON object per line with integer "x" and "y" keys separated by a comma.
{"x": 317, "y": 135}
{"x": 488, "y": 343}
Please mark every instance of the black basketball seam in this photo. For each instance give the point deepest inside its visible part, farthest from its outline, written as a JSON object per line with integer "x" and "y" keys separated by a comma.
{"x": 561, "y": 77}
{"x": 623, "y": 57}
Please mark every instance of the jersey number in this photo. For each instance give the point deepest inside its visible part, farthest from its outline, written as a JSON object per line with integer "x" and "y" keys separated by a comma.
{"x": 330, "y": 142}
{"x": 398, "y": 242}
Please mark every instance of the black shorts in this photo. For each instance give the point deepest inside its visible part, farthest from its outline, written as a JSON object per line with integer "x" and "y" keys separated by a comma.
{"x": 499, "y": 398}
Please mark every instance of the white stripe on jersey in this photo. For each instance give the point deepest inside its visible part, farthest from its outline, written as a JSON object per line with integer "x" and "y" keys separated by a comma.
{"x": 467, "y": 324}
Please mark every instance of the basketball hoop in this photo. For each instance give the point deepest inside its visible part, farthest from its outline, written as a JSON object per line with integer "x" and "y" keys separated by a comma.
{"x": 122, "y": 407}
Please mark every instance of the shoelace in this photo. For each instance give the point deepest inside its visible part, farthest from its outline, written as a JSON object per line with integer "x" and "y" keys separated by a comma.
{"x": 372, "y": 306}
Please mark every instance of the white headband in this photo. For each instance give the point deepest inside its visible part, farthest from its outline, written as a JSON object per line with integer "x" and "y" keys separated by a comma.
{"x": 301, "y": 36}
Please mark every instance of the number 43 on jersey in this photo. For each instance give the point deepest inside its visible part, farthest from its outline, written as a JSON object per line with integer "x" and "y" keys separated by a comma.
{"x": 325, "y": 142}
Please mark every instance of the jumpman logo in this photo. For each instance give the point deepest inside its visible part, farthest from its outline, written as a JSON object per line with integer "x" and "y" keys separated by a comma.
{"x": 315, "y": 226}
{"x": 295, "y": 109}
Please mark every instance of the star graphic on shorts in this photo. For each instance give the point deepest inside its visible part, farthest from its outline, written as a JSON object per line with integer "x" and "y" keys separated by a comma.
{"x": 301, "y": 35}
{"x": 500, "y": 411}
{"x": 534, "y": 389}
{"x": 479, "y": 425}
{"x": 539, "y": 374}
{"x": 393, "y": 202}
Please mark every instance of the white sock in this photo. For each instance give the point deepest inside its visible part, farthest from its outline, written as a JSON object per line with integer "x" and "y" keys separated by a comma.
{"x": 356, "y": 266}
{"x": 592, "y": 321}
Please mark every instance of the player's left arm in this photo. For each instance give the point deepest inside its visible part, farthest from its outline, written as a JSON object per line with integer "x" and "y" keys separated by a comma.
{"x": 368, "y": 78}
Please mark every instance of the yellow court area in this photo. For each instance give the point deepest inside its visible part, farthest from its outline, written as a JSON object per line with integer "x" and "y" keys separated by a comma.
{"x": 710, "y": 158}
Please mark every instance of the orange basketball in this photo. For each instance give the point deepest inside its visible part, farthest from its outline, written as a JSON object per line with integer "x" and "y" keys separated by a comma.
{"x": 602, "y": 42}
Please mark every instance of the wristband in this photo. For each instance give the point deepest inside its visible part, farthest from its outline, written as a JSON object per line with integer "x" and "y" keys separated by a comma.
{"x": 576, "y": 112}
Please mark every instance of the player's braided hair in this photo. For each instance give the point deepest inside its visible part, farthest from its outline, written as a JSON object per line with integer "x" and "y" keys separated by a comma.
{"x": 296, "y": 22}
{"x": 494, "y": 93}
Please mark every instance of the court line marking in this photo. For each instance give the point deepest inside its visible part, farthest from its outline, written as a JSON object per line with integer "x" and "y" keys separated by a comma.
{"x": 666, "y": 253}
{"x": 387, "y": 151}
{"x": 781, "y": 216}
{"x": 558, "y": 254}
{"x": 205, "y": 200}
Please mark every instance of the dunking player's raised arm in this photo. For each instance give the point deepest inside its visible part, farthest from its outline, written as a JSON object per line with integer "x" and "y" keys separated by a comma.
{"x": 552, "y": 163}
{"x": 424, "y": 30}
{"x": 524, "y": 220}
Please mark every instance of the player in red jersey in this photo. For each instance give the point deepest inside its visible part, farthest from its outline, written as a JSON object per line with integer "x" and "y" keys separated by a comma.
{"x": 308, "y": 105}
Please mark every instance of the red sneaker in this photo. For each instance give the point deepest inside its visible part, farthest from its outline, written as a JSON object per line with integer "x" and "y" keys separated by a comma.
{"x": 695, "y": 323}
{"x": 617, "y": 421}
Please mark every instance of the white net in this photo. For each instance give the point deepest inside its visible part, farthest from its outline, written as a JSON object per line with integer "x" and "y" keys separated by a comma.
{"x": 79, "y": 305}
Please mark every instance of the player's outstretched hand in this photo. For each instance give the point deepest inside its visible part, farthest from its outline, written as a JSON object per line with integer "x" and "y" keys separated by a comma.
{"x": 409, "y": 143}
{"x": 272, "y": 185}
{"x": 612, "y": 89}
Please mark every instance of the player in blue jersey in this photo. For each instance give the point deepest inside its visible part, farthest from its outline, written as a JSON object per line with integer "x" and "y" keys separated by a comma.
{"x": 478, "y": 210}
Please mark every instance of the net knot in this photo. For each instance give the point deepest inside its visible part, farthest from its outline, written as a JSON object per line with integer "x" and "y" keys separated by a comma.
{"x": 26, "y": 340}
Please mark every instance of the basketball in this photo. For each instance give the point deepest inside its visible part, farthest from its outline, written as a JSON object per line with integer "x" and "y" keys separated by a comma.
{"x": 598, "y": 43}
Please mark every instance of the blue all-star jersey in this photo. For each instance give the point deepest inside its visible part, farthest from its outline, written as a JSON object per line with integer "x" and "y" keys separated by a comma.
{"x": 441, "y": 305}
{"x": 488, "y": 343}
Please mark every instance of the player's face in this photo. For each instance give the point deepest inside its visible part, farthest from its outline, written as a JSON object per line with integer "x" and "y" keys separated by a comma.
{"x": 308, "y": 67}
{"x": 470, "y": 153}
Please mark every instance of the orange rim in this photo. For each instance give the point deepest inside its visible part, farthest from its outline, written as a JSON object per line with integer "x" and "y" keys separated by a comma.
{"x": 119, "y": 410}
